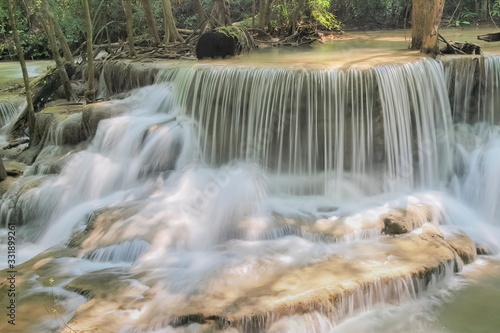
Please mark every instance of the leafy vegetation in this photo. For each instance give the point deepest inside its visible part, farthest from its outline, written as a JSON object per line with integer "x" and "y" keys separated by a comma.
{"x": 495, "y": 9}
{"x": 283, "y": 17}
{"x": 34, "y": 43}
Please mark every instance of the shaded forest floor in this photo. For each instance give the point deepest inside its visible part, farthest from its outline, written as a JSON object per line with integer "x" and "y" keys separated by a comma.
{"x": 186, "y": 50}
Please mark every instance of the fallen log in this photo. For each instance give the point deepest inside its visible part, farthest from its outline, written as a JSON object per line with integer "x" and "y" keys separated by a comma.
{"x": 42, "y": 95}
{"x": 16, "y": 143}
{"x": 492, "y": 37}
{"x": 3, "y": 172}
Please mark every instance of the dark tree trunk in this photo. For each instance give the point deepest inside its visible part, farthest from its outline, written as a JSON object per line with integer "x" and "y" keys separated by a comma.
{"x": 49, "y": 29}
{"x": 62, "y": 40}
{"x": 294, "y": 19}
{"x": 150, "y": 20}
{"x": 30, "y": 13}
{"x": 3, "y": 173}
{"x": 221, "y": 12}
{"x": 201, "y": 15}
{"x": 130, "y": 29}
{"x": 171, "y": 33}
{"x": 483, "y": 11}
{"x": 20, "y": 55}
{"x": 262, "y": 14}
{"x": 59, "y": 33}
{"x": 90, "y": 93}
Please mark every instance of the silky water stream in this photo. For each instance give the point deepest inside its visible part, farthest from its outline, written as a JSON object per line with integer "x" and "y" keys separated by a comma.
{"x": 236, "y": 198}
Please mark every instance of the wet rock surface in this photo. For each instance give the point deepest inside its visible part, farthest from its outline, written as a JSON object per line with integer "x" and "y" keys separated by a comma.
{"x": 404, "y": 220}
{"x": 463, "y": 245}
{"x": 329, "y": 286}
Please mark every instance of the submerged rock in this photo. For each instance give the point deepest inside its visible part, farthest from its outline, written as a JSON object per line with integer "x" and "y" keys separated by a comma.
{"x": 100, "y": 284}
{"x": 17, "y": 202}
{"x": 92, "y": 114}
{"x": 397, "y": 269}
{"x": 99, "y": 224}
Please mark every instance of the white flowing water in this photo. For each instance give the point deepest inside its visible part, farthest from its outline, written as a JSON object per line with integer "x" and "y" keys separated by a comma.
{"x": 7, "y": 112}
{"x": 372, "y": 127}
{"x": 212, "y": 164}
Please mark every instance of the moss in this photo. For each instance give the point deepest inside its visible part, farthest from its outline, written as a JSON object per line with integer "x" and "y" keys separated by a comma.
{"x": 244, "y": 40}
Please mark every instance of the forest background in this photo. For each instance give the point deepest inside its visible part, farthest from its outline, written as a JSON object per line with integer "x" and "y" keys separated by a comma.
{"x": 282, "y": 18}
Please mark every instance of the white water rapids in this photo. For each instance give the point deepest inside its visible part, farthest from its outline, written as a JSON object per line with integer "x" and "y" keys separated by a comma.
{"x": 210, "y": 162}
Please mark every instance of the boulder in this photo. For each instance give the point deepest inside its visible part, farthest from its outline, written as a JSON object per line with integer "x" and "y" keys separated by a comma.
{"x": 70, "y": 131}
{"x": 463, "y": 245}
{"x": 92, "y": 114}
{"x": 98, "y": 231}
{"x": 334, "y": 286}
{"x": 404, "y": 220}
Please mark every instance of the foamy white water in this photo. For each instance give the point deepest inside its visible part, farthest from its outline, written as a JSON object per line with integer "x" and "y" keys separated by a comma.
{"x": 233, "y": 176}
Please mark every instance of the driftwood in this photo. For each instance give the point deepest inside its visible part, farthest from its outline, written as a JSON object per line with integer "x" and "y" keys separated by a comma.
{"x": 42, "y": 94}
{"x": 185, "y": 31}
{"x": 492, "y": 37}
{"x": 260, "y": 32}
{"x": 304, "y": 36}
{"x": 16, "y": 143}
{"x": 3, "y": 172}
{"x": 11, "y": 88}
{"x": 459, "y": 47}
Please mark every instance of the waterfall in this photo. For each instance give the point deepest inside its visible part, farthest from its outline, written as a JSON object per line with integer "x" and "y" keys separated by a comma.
{"x": 473, "y": 86}
{"x": 475, "y": 110}
{"x": 7, "y": 112}
{"x": 329, "y": 125}
{"x": 255, "y": 199}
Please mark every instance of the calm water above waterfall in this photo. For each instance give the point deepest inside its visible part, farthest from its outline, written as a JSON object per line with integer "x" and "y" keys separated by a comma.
{"x": 224, "y": 183}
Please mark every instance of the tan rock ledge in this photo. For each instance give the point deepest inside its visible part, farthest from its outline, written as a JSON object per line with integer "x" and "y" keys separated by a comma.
{"x": 364, "y": 274}
{"x": 360, "y": 274}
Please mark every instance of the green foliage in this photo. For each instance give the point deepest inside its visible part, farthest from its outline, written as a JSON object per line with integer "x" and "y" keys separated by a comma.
{"x": 282, "y": 14}
{"x": 4, "y": 18}
{"x": 34, "y": 46}
{"x": 464, "y": 17}
{"x": 467, "y": 14}
{"x": 34, "y": 42}
{"x": 320, "y": 13}
{"x": 286, "y": 14}
{"x": 459, "y": 23}
{"x": 245, "y": 42}
{"x": 372, "y": 14}
{"x": 103, "y": 12}
{"x": 495, "y": 9}
{"x": 70, "y": 17}
{"x": 241, "y": 10}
